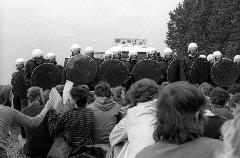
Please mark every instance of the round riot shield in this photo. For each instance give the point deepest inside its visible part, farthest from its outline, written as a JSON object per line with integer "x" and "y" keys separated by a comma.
{"x": 147, "y": 69}
{"x": 173, "y": 71}
{"x": 224, "y": 72}
{"x": 113, "y": 72}
{"x": 19, "y": 87}
{"x": 81, "y": 69}
{"x": 46, "y": 76}
{"x": 200, "y": 71}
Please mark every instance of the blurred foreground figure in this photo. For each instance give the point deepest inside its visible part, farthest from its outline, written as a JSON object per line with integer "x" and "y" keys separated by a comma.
{"x": 37, "y": 59}
{"x": 179, "y": 128}
{"x": 19, "y": 86}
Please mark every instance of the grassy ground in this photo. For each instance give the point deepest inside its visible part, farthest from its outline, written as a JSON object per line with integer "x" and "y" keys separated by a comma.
{"x": 14, "y": 148}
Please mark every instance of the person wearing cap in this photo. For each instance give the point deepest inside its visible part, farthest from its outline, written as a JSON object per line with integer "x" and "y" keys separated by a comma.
{"x": 186, "y": 62}
{"x": 210, "y": 59}
{"x": 76, "y": 50}
{"x": 89, "y": 51}
{"x": 18, "y": 81}
{"x": 168, "y": 55}
{"x": 37, "y": 59}
{"x": 217, "y": 55}
{"x": 152, "y": 54}
{"x": 51, "y": 57}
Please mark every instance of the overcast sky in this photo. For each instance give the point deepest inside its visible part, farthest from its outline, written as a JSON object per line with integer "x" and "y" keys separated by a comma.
{"x": 53, "y": 25}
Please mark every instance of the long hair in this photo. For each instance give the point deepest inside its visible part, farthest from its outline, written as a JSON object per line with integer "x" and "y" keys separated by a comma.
{"x": 177, "y": 107}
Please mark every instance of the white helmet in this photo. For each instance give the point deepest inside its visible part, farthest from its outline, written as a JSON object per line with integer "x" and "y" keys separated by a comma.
{"x": 108, "y": 52}
{"x": 217, "y": 54}
{"x": 210, "y": 57}
{"x": 202, "y": 56}
{"x": 192, "y": 46}
{"x": 51, "y": 56}
{"x": 37, "y": 53}
{"x": 236, "y": 58}
{"x": 20, "y": 61}
{"x": 167, "y": 51}
{"x": 132, "y": 52}
{"x": 89, "y": 50}
{"x": 75, "y": 47}
{"x": 151, "y": 50}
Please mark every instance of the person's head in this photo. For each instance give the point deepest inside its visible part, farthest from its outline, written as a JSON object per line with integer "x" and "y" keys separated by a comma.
{"x": 219, "y": 96}
{"x": 167, "y": 54}
{"x": 180, "y": 115}
{"x": 51, "y": 57}
{"x": 133, "y": 55}
{"x": 35, "y": 94}
{"x": 152, "y": 53}
{"x": 210, "y": 58}
{"x": 6, "y": 95}
{"x": 206, "y": 88}
{"x": 46, "y": 96}
{"x": 20, "y": 62}
{"x": 108, "y": 54}
{"x": 234, "y": 88}
{"x": 142, "y": 91}
{"x": 102, "y": 89}
{"x": 217, "y": 55}
{"x": 236, "y": 59}
{"x": 75, "y": 49}
{"x": 37, "y": 56}
{"x": 234, "y": 102}
{"x": 60, "y": 88}
{"x": 193, "y": 49}
{"x": 78, "y": 96}
{"x": 89, "y": 51}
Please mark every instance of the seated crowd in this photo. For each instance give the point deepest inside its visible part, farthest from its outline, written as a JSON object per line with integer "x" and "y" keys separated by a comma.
{"x": 174, "y": 120}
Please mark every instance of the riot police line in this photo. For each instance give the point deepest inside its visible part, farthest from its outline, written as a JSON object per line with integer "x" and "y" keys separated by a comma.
{"x": 123, "y": 68}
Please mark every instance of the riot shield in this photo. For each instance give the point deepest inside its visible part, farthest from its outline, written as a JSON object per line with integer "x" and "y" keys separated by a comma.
{"x": 224, "y": 72}
{"x": 46, "y": 76}
{"x": 200, "y": 71}
{"x": 173, "y": 71}
{"x": 81, "y": 69}
{"x": 113, "y": 72}
{"x": 147, "y": 69}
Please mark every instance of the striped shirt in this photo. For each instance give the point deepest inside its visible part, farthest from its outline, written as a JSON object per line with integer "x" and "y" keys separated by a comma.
{"x": 9, "y": 116}
{"x": 81, "y": 134}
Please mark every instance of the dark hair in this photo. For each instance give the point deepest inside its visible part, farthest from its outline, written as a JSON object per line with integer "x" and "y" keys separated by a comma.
{"x": 5, "y": 94}
{"x": 60, "y": 88}
{"x": 234, "y": 88}
{"x": 235, "y": 99}
{"x": 177, "y": 106}
{"x": 80, "y": 95}
{"x": 46, "y": 96}
{"x": 206, "y": 88}
{"x": 142, "y": 91}
{"x": 34, "y": 93}
{"x": 102, "y": 89}
{"x": 219, "y": 96}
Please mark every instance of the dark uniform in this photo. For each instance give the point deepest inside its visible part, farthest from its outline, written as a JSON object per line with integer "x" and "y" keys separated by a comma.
{"x": 185, "y": 67}
{"x": 30, "y": 66}
{"x": 64, "y": 77}
{"x": 18, "y": 83}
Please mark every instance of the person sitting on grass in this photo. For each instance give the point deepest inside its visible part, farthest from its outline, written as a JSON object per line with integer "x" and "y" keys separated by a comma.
{"x": 9, "y": 116}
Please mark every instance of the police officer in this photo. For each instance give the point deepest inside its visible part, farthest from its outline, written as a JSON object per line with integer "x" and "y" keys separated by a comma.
{"x": 186, "y": 62}
{"x": 152, "y": 54}
{"x": 210, "y": 59}
{"x": 217, "y": 55}
{"x": 51, "y": 58}
{"x": 37, "y": 59}
{"x": 17, "y": 81}
{"x": 168, "y": 55}
{"x": 89, "y": 51}
{"x": 75, "y": 50}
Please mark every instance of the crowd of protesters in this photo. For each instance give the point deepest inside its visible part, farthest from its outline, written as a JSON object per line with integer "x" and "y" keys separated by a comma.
{"x": 172, "y": 120}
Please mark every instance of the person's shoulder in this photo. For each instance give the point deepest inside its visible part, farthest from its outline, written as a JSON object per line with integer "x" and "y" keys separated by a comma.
{"x": 211, "y": 143}
{"x": 147, "y": 152}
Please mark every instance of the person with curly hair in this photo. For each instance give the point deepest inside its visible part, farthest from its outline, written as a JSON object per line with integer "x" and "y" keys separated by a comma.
{"x": 38, "y": 140}
{"x": 136, "y": 128}
{"x": 180, "y": 124}
{"x": 11, "y": 116}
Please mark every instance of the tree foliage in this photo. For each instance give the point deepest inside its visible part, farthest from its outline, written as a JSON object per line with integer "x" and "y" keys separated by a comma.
{"x": 212, "y": 24}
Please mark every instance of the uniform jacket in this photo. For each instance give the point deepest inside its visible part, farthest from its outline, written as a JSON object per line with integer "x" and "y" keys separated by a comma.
{"x": 18, "y": 81}
{"x": 185, "y": 67}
